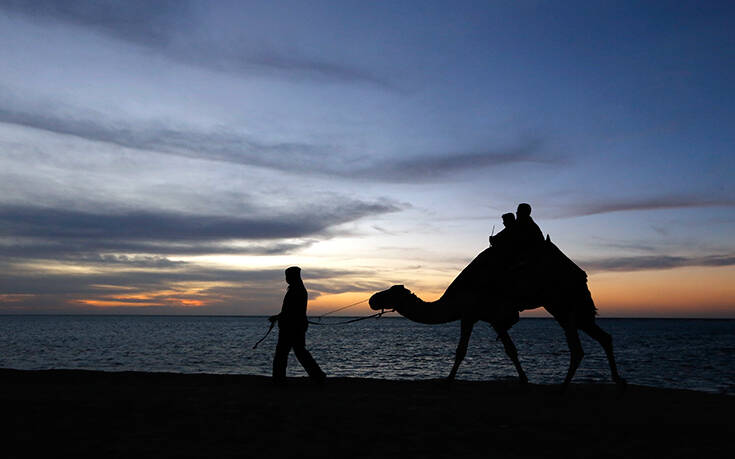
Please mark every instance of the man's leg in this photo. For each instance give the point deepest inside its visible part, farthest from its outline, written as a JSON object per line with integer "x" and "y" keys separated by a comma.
{"x": 305, "y": 358}
{"x": 280, "y": 360}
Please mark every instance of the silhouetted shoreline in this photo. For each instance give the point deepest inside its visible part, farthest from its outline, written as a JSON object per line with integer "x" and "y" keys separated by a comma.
{"x": 92, "y": 413}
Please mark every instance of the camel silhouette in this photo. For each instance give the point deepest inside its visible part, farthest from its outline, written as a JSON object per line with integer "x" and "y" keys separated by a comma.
{"x": 492, "y": 290}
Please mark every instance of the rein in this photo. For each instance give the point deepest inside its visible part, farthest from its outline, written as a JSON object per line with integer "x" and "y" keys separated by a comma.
{"x": 377, "y": 315}
{"x": 342, "y": 308}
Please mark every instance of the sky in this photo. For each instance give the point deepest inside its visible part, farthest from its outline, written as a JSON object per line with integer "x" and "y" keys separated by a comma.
{"x": 174, "y": 157}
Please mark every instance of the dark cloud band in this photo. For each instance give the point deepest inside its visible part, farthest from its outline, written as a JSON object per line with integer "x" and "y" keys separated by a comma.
{"x": 55, "y": 230}
{"x": 169, "y": 28}
{"x": 230, "y": 147}
{"x": 654, "y": 262}
{"x": 648, "y": 203}
{"x": 429, "y": 168}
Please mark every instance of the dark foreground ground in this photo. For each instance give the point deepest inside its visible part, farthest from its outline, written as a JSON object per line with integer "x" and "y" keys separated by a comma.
{"x": 95, "y": 414}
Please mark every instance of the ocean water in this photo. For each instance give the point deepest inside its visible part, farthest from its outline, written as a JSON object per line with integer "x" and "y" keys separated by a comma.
{"x": 673, "y": 353}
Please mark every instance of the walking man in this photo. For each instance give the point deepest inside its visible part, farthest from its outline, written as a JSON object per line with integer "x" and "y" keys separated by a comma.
{"x": 292, "y": 325}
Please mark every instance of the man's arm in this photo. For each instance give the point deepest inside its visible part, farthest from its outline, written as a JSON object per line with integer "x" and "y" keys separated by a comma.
{"x": 281, "y": 314}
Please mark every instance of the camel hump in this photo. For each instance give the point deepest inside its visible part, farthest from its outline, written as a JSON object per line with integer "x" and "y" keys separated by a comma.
{"x": 562, "y": 261}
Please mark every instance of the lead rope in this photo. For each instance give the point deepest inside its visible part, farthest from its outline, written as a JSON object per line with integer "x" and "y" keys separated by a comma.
{"x": 376, "y": 315}
{"x": 342, "y": 308}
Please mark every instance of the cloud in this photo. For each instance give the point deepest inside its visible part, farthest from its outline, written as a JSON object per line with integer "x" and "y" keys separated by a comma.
{"x": 37, "y": 231}
{"x": 430, "y": 168}
{"x": 89, "y": 251}
{"x": 163, "y": 289}
{"x": 133, "y": 261}
{"x": 316, "y": 68}
{"x": 229, "y": 146}
{"x": 655, "y": 262}
{"x": 161, "y": 226}
{"x": 336, "y": 286}
{"x": 628, "y": 246}
{"x": 138, "y": 21}
{"x": 225, "y": 145}
{"x": 21, "y": 279}
{"x": 646, "y": 203}
{"x": 170, "y": 28}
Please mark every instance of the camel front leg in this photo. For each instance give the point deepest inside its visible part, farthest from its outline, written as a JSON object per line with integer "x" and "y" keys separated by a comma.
{"x": 512, "y": 352}
{"x": 464, "y": 340}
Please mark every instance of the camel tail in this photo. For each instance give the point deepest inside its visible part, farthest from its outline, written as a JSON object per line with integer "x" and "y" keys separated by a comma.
{"x": 587, "y": 305}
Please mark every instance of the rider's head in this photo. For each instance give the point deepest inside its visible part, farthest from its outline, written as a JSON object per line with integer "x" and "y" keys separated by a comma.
{"x": 508, "y": 219}
{"x": 524, "y": 210}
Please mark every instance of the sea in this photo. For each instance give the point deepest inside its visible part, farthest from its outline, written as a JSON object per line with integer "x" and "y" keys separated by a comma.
{"x": 670, "y": 353}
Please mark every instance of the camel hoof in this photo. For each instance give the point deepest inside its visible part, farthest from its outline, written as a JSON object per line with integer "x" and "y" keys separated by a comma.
{"x": 621, "y": 385}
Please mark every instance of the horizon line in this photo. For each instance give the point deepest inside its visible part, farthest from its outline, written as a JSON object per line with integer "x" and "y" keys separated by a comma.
{"x": 38, "y": 314}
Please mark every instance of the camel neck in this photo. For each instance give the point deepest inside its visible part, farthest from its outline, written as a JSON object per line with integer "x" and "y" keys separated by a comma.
{"x": 429, "y": 312}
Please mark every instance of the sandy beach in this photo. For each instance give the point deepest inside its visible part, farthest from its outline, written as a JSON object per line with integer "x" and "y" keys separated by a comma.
{"x": 129, "y": 414}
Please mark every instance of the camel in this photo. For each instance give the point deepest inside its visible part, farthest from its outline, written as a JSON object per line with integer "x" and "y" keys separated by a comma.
{"x": 494, "y": 290}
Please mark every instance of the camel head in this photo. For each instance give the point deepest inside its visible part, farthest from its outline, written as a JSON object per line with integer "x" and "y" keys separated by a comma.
{"x": 393, "y": 298}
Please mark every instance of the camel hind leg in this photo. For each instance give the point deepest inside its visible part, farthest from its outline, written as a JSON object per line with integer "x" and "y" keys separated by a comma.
{"x": 575, "y": 348}
{"x": 605, "y": 340}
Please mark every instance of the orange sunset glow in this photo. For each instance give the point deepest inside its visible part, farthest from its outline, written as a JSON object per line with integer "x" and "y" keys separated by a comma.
{"x": 151, "y": 168}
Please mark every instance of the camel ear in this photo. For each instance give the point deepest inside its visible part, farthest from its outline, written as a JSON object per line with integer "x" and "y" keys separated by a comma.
{"x": 548, "y": 239}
